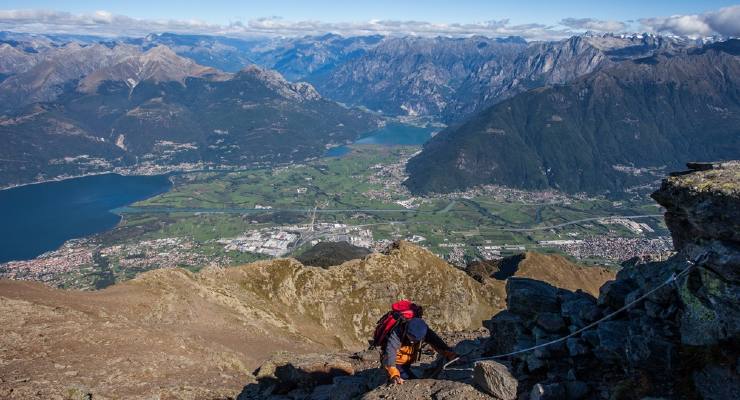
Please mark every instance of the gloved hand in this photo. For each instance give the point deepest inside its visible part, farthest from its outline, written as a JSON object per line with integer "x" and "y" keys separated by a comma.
{"x": 398, "y": 380}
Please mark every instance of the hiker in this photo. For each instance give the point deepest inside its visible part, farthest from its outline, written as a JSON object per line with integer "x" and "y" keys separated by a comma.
{"x": 403, "y": 348}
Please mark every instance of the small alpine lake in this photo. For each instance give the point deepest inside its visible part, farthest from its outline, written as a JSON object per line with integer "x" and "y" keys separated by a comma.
{"x": 392, "y": 134}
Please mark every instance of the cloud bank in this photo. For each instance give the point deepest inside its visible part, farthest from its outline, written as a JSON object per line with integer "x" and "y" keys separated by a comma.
{"x": 106, "y": 24}
{"x": 725, "y": 21}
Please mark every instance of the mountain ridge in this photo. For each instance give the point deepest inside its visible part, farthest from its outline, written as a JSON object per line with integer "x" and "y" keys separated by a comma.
{"x": 194, "y": 116}
{"x": 607, "y": 131}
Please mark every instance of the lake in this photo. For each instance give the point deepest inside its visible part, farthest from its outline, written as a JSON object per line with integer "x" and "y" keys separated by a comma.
{"x": 39, "y": 218}
{"x": 393, "y": 134}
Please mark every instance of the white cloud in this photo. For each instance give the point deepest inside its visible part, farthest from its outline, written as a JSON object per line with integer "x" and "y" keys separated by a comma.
{"x": 725, "y": 22}
{"x": 391, "y": 27}
{"x": 101, "y": 23}
{"x": 106, "y": 24}
{"x": 591, "y": 24}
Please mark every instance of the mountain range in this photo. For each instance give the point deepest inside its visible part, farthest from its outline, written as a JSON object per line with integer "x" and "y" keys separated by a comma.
{"x": 452, "y": 78}
{"x": 105, "y": 107}
{"x": 86, "y": 99}
{"x": 614, "y": 129}
{"x": 442, "y": 77}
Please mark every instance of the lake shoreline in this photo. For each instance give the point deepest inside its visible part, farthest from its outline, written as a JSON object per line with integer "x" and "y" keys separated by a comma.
{"x": 40, "y": 218}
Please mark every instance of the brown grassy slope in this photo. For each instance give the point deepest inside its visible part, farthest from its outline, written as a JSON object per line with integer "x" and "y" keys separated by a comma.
{"x": 551, "y": 268}
{"x": 177, "y": 334}
{"x": 174, "y": 334}
{"x": 563, "y": 273}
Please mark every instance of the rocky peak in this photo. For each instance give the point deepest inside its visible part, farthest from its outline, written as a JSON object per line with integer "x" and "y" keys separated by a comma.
{"x": 13, "y": 60}
{"x": 44, "y": 80}
{"x": 679, "y": 342}
{"x": 158, "y": 64}
{"x": 272, "y": 79}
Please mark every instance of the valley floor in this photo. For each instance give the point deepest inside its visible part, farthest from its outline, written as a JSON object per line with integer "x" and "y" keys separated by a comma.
{"x": 229, "y": 218}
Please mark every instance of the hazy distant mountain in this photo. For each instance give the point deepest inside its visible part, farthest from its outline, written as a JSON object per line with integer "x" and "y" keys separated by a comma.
{"x": 452, "y": 78}
{"x": 158, "y": 64}
{"x": 615, "y": 128}
{"x": 54, "y": 68}
{"x": 14, "y": 60}
{"x": 300, "y": 58}
{"x": 107, "y": 107}
{"x": 226, "y": 54}
{"x": 446, "y": 78}
{"x": 415, "y": 75}
{"x": 295, "y": 58}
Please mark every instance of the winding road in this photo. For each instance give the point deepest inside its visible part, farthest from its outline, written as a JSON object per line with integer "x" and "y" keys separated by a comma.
{"x": 448, "y": 208}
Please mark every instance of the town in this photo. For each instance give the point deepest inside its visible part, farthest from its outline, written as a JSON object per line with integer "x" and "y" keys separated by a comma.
{"x": 280, "y": 241}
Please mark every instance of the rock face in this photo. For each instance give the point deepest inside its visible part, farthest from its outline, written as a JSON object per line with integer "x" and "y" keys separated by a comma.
{"x": 680, "y": 342}
{"x": 554, "y": 269}
{"x": 702, "y": 204}
{"x": 455, "y": 77}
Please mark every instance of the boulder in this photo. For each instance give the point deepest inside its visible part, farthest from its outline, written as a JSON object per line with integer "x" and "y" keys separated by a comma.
{"x": 613, "y": 336}
{"x": 505, "y": 328}
{"x": 495, "y": 379}
{"x": 717, "y": 383}
{"x": 528, "y": 297}
{"x": 576, "y": 347}
{"x": 425, "y": 389}
{"x": 710, "y": 309}
{"x": 576, "y": 390}
{"x": 580, "y": 309}
{"x": 347, "y": 388}
{"x": 286, "y": 372}
{"x": 652, "y": 352}
{"x": 613, "y": 293}
{"x": 550, "y": 322}
{"x": 534, "y": 362}
{"x": 552, "y": 391}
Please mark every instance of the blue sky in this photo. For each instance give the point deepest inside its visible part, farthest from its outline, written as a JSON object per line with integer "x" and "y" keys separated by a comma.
{"x": 540, "y": 11}
{"x": 532, "y": 18}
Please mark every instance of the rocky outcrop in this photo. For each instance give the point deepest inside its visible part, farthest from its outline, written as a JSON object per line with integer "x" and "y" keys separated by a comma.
{"x": 159, "y": 64}
{"x": 552, "y": 268}
{"x": 703, "y": 203}
{"x": 679, "y": 342}
{"x": 427, "y": 389}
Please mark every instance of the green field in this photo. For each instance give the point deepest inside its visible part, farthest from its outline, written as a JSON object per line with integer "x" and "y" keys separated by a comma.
{"x": 207, "y": 206}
